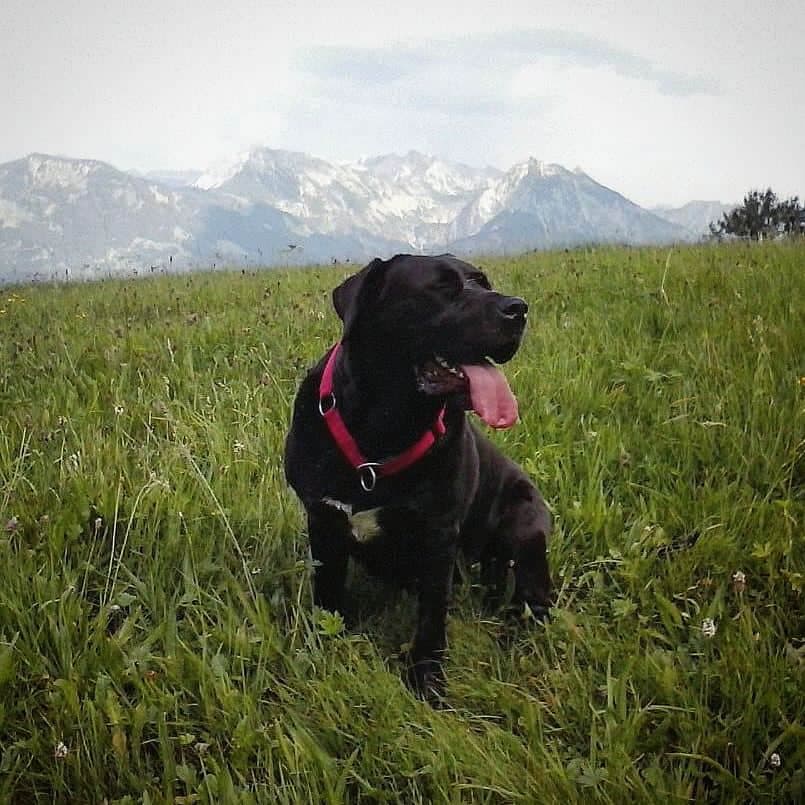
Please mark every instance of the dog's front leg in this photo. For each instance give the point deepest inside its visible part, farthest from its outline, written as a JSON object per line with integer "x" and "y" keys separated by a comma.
{"x": 328, "y": 531}
{"x": 493, "y": 574}
{"x": 532, "y": 579}
{"x": 425, "y": 672}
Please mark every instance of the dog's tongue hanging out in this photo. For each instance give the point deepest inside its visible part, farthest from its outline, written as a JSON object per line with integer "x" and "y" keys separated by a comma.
{"x": 491, "y": 397}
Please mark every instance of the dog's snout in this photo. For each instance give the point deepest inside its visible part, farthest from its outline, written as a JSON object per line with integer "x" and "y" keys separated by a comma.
{"x": 512, "y": 307}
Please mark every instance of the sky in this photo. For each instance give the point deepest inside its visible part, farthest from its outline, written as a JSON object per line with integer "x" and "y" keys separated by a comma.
{"x": 663, "y": 102}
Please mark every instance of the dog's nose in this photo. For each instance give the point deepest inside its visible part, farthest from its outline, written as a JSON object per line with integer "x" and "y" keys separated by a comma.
{"x": 512, "y": 307}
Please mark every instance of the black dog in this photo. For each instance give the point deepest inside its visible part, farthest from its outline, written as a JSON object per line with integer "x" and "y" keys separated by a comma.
{"x": 385, "y": 462}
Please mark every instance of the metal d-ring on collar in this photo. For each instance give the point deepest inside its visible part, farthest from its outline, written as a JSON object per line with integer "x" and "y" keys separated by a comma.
{"x": 368, "y": 471}
{"x": 367, "y": 475}
{"x": 330, "y": 400}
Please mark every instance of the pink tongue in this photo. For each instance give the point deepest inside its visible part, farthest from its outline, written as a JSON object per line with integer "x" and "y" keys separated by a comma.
{"x": 492, "y": 399}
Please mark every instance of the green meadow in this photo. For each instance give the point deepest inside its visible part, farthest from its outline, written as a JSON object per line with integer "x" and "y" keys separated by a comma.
{"x": 158, "y": 641}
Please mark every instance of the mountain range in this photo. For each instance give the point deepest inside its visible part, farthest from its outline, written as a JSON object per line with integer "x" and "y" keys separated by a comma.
{"x": 79, "y": 218}
{"x": 695, "y": 215}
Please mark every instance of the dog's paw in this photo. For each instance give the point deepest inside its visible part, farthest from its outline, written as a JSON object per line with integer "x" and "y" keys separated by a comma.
{"x": 529, "y": 611}
{"x": 426, "y": 679}
{"x": 537, "y": 612}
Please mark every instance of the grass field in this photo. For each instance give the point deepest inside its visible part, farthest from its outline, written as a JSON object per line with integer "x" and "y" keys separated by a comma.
{"x": 157, "y": 637}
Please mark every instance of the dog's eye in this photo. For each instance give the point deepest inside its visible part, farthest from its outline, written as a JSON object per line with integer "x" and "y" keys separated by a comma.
{"x": 450, "y": 282}
{"x": 477, "y": 279}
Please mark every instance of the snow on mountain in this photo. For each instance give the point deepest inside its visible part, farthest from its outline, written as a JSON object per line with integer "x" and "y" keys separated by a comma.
{"x": 220, "y": 172}
{"x": 508, "y": 190}
{"x": 171, "y": 178}
{"x": 71, "y": 214}
{"x": 409, "y": 198}
{"x": 423, "y": 175}
{"x": 540, "y": 205}
{"x": 61, "y": 216}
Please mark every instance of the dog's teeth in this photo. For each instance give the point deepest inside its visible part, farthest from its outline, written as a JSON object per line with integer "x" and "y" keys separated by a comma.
{"x": 447, "y": 366}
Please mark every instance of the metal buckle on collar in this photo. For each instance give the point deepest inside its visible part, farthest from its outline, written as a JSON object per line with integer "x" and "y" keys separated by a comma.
{"x": 330, "y": 399}
{"x": 367, "y": 475}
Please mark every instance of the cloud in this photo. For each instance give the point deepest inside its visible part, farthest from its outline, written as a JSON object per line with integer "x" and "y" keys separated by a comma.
{"x": 466, "y": 92}
{"x": 480, "y": 98}
{"x": 499, "y": 97}
{"x": 479, "y": 67}
{"x": 366, "y": 66}
{"x": 570, "y": 49}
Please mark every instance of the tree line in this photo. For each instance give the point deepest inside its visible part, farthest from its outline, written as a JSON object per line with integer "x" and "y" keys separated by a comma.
{"x": 762, "y": 215}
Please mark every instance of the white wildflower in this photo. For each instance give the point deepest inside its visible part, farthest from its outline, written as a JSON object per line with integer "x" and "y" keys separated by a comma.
{"x": 775, "y": 761}
{"x": 739, "y": 581}
{"x": 709, "y": 627}
{"x": 60, "y": 751}
{"x": 119, "y": 409}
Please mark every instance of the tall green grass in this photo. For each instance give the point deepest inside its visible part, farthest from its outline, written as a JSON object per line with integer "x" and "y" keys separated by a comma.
{"x": 157, "y": 637}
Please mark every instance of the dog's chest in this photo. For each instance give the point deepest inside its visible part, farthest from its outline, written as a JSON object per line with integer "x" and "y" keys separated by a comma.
{"x": 363, "y": 524}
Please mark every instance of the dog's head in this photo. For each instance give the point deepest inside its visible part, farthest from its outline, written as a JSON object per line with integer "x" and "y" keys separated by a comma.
{"x": 440, "y": 316}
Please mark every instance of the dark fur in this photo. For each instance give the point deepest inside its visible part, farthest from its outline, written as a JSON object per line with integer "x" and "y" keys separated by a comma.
{"x": 463, "y": 494}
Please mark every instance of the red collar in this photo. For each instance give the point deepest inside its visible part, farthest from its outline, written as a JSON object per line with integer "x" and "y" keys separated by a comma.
{"x": 368, "y": 471}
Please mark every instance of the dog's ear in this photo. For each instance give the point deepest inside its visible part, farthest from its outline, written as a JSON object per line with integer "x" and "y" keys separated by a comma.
{"x": 356, "y": 292}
